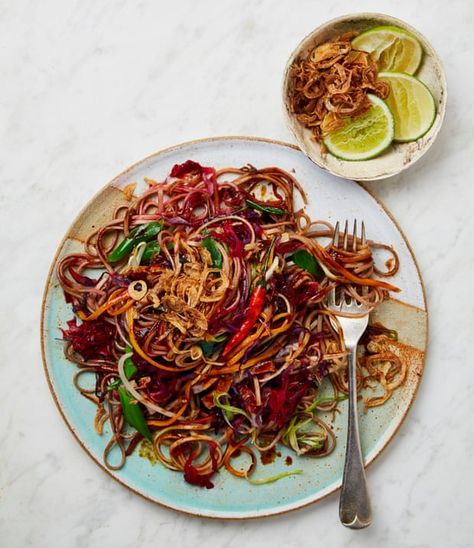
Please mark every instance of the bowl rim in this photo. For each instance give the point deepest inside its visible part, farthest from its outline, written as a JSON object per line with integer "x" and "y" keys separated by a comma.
{"x": 428, "y": 49}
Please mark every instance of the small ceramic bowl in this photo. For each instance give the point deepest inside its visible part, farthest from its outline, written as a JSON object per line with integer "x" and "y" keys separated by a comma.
{"x": 398, "y": 156}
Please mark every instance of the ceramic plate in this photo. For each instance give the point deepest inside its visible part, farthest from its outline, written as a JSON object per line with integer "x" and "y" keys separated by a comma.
{"x": 329, "y": 198}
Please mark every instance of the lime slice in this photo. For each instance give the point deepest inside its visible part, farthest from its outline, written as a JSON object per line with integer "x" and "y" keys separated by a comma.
{"x": 392, "y": 48}
{"x": 363, "y": 137}
{"x": 412, "y": 105}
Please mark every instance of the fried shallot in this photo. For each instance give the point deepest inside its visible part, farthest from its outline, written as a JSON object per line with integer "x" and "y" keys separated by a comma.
{"x": 331, "y": 84}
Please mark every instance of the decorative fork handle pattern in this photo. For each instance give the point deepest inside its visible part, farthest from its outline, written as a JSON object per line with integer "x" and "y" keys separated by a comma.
{"x": 354, "y": 504}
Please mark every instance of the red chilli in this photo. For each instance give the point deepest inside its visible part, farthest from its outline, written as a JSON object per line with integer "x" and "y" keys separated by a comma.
{"x": 256, "y": 303}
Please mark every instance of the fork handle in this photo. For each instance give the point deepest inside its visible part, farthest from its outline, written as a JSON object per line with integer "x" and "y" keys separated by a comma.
{"x": 354, "y": 502}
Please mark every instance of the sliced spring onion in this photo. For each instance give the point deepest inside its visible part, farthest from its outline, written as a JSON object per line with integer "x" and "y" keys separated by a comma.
{"x": 129, "y": 367}
{"x": 152, "y": 249}
{"x": 229, "y": 410}
{"x": 292, "y": 436}
{"x": 114, "y": 385}
{"x": 266, "y": 209}
{"x": 211, "y": 246}
{"x": 301, "y": 441}
{"x": 136, "y": 255}
{"x": 328, "y": 399}
{"x": 141, "y": 233}
{"x": 277, "y": 477}
{"x": 272, "y": 268}
{"x": 207, "y": 347}
{"x": 133, "y": 413}
{"x": 313, "y": 442}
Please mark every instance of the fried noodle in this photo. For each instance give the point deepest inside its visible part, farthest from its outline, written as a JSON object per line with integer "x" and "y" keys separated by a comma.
{"x": 204, "y": 324}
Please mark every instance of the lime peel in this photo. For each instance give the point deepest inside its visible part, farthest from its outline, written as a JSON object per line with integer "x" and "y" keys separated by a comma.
{"x": 365, "y": 136}
{"x": 412, "y": 105}
{"x": 393, "y": 48}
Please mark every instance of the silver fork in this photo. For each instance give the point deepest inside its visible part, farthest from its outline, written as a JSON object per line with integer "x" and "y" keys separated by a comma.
{"x": 354, "y": 502}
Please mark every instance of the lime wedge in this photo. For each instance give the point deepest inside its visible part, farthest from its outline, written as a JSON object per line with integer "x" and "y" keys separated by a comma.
{"x": 392, "y": 48}
{"x": 363, "y": 137}
{"x": 412, "y": 105}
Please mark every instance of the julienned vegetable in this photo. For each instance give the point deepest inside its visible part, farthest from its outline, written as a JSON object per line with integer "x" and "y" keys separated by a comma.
{"x": 229, "y": 410}
{"x": 257, "y": 300}
{"x": 211, "y": 246}
{"x": 276, "y": 477}
{"x": 266, "y": 209}
{"x": 209, "y": 346}
{"x": 141, "y": 233}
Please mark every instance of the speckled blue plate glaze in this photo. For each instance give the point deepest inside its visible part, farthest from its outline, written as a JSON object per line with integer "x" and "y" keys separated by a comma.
{"x": 329, "y": 198}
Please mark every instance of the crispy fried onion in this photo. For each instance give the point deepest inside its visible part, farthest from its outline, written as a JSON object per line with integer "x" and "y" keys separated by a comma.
{"x": 332, "y": 83}
{"x": 384, "y": 367}
{"x": 184, "y": 317}
{"x": 186, "y": 293}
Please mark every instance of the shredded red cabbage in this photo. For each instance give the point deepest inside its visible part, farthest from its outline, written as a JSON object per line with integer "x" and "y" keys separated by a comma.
{"x": 229, "y": 237}
{"x": 191, "y": 474}
{"x": 288, "y": 247}
{"x": 92, "y": 340}
{"x": 181, "y": 170}
{"x": 118, "y": 280}
{"x": 283, "y": 400}
{"x": 80, "y": 279}
{"x": 163, "y": 386}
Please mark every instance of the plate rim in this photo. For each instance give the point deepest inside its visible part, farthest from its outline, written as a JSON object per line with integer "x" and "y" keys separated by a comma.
{"x": 268, "y": 512}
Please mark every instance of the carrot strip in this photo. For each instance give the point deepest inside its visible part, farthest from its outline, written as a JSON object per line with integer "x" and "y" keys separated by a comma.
{"x": 116, "y": 311}
{"x": 99, "y": 311}
{"x": 140, "y": 352}
{"x": 167, "y": 422}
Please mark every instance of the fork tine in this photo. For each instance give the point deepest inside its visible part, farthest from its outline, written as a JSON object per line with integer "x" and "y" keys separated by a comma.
{"x": 362, "y": 237}
{"x": 346, "y": 235}
{"x": 354, "y": 236}
{"x": 335, "y": 238}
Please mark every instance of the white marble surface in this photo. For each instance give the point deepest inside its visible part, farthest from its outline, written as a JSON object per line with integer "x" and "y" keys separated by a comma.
{"x": 87, "y": 88}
